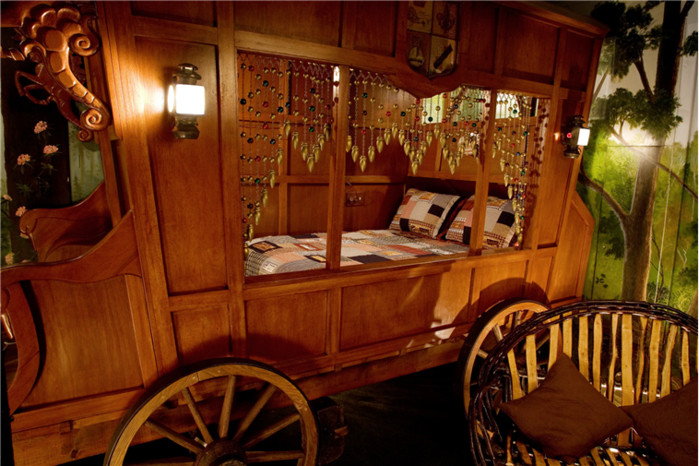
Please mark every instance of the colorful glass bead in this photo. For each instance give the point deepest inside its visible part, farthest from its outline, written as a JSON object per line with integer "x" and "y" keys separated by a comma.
{"x": 365, "y": 95}
{"x": 243, "y": 101}
{"x": 402, "y": 114}
{"x": 250, "y": 140}
{"x": 430, "y": 119}
{"x": 265, "y": 83}
{"x": 311, "y": 129}
{"x": 273, "y": 141}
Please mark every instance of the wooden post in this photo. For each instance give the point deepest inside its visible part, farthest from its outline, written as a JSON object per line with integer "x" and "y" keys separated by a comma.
{"x": 336, "y": 210}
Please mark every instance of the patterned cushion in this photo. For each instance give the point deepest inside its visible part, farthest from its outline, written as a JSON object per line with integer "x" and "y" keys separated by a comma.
{"x": 499, "y": 226}
{"x": 422, "y": 212}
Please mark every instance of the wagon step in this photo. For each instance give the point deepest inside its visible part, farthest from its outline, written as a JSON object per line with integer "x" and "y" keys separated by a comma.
{"x": 331, "y": 429}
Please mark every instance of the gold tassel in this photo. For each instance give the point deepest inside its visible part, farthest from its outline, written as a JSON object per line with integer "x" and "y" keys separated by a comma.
{"x": 394, "y": 131}
{"x": 428, "y": 137}
{"x": 509, "y": 191}
{"x": 506, "y": 178}
{"x": 287, "y": 127}
{"x": 406, "y": 147}
{"x": 362, "y": 163}
{"x": 442, "y": 140}
{"x": 251, "y": 232}
{"x": 371, "y": 153}
{"x": 355, "y": 153}
{"x": 452, "y": 167}
{"x": 280, "y": 156}
{"x": 348, "y": 146}
{"x": 502, "y": 165}
{"x": 379, "y": 143}
{"x": 311, "y": 163}
{"x": 327, "y": 131}
{"x": 295, "y": 139}
{"x": 401, "y": 137}
{"x": 387, "y": 137}
{"x": 264, "y": 197}
{"x": 272, "y": 178}
{"x": 304, "y": 150}
{"x": 321, "y": 142}
{"x": 436, "y": 131}
{"x": 316, "y": 153}
{"x": 414, "y": 167}
{"x": 446, "y": 154}
{"x": 246, "y": 251}
{"x": 257, "y": 216}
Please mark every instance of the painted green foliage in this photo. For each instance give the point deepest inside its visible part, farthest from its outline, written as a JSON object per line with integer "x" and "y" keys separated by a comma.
{"x": 641, "y": 186}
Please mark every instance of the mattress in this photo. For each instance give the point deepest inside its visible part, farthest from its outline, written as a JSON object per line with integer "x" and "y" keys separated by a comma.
{"x": 282, "y": 254}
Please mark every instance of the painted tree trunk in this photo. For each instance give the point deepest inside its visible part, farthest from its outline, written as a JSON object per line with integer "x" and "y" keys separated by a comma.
{"x": 638, "y": 228}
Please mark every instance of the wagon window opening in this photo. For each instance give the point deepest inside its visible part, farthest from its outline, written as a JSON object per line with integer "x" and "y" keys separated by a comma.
{"x": 411, "y": 167}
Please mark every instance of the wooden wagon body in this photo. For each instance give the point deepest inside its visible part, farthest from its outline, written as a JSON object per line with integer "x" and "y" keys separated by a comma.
{"x": 148, "y": 273}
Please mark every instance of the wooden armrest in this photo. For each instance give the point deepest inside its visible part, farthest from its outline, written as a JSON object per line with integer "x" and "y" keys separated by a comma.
{"x": 116, "y": 254}
{"x": 85, "y": 223}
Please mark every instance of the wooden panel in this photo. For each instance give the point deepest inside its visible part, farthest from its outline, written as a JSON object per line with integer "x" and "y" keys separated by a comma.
{"x": 555, "y": 172}
{"x": 497, "y": 283}
{"x": 189, "y": 207}
{"x": 381, "y": 311}
{"x": 199, "y": 12}
{"x": 573, "y": 253}
{"x": 90, "y": 345}
{"x": 381, "y": 202}
{"x": 577, "y": 61}
{"x": 317, "y": 22}
{"x": 375, "y": 27}
{"x": 481, "y": 50}
{"x": 202, "y": 333}
{"x": 287, "y": 327}
{"x": 308, "y": 209}
{"x": 541, "y": 268}
{"x": 530, "y": 49}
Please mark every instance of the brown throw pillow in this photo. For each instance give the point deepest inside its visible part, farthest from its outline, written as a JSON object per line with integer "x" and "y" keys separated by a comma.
{"x": 669, "y": 425}
{"x": 565, "y": 415}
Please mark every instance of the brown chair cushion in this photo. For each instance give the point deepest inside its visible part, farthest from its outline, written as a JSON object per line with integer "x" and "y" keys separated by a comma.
{"x": 669, "y": 425}
{"x": 565, "y": 415}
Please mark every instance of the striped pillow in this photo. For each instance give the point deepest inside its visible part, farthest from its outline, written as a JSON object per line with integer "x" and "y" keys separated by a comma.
{"x": 422, "y": 212}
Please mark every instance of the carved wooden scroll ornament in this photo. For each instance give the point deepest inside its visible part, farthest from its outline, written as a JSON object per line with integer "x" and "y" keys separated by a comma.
{"x": 51, "y": 34}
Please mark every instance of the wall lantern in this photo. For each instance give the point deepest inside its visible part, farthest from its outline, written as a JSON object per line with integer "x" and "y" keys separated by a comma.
{"x": 573, "y": 136}
{"x": 185, "y": 100}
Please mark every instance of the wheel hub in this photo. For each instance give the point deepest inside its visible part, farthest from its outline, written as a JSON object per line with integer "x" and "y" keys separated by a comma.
{"x": 224, "y": 452}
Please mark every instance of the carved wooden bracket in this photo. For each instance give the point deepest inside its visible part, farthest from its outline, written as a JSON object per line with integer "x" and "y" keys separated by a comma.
{"x": 51, "y": 34}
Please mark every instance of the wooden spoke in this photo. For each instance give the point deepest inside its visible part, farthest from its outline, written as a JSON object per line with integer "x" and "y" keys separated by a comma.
{"x": 267, "y": 456}
{"x": 197, "y": 416}
{"x": 179, "y": 439}
{"x": 262, "y": 434}
{"x": 225, "y": 419}
{"x": 254, "y": 411}
{"x": 181, "y": 461}
{"x": 497, "y": 332}
{"x": 482, "y": 354}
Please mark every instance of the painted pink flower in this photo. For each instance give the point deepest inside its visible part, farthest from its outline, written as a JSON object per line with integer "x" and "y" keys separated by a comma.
{"x": 6, "y": 197}
{"x": 50, "y": 149}
{"x": 10, "y": 258}
{"x": 21, "y": 211}
{"x": 40, "y": 127}
{"x": 22, "y": 159}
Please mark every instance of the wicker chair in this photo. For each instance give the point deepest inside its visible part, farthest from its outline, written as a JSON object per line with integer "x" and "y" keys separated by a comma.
{"x": 630, "y": 352}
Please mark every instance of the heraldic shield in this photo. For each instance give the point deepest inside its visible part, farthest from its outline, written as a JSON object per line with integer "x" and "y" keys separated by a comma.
{"x": 432, "y": 37}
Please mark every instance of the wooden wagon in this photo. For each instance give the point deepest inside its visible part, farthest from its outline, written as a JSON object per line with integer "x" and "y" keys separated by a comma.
{"x": 148, "y": 275}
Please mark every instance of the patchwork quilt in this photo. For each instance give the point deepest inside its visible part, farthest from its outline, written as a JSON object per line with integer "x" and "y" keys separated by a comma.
{"x": 282, "y": 254}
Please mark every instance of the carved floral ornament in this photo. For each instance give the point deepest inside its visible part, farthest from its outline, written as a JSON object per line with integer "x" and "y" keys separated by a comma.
{"x": 51, "y": 34}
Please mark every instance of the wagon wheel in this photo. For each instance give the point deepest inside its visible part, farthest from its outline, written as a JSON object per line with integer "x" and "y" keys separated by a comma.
{"x": 235, "y": 379}
{"x": 491, "y": 327}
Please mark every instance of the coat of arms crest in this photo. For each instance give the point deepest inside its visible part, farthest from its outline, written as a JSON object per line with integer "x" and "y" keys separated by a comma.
{"x": 432, "y": 37}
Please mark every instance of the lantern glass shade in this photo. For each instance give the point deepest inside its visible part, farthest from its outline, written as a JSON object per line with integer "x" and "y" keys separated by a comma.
{"x": 186, "y": 99}
{"x": 583, "y": 136}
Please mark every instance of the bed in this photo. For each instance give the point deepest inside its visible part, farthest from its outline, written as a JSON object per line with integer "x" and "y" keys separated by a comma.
{"x": 426, "y": 224}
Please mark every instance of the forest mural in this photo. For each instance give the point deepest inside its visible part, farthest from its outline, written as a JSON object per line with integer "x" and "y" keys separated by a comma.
{"x": 639, "y": 173}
